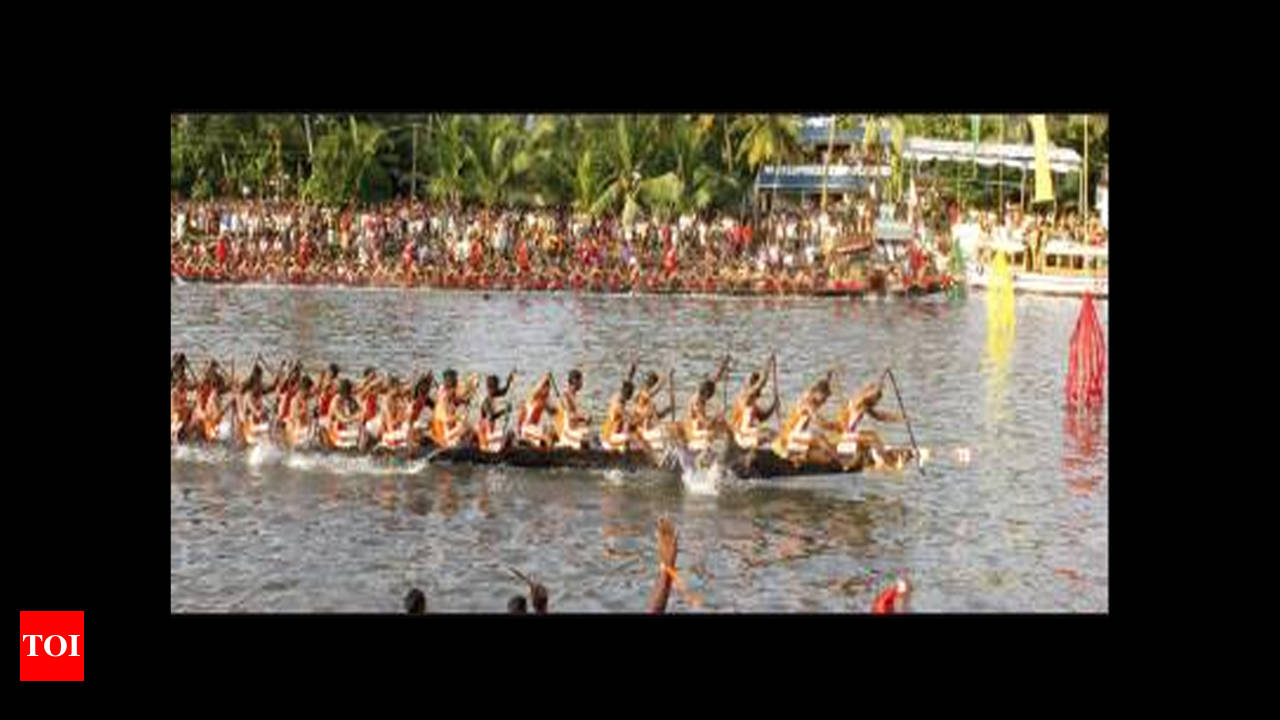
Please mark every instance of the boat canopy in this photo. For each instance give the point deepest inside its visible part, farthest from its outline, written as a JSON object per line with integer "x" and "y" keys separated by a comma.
{"x": 808, "y": 178}
{"x": 1061, "y": 160}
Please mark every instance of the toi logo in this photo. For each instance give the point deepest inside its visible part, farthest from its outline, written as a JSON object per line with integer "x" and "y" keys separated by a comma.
{"x": 51, "y": 645}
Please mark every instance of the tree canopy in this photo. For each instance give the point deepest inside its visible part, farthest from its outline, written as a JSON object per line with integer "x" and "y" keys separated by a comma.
{"x": 619, "y": 164}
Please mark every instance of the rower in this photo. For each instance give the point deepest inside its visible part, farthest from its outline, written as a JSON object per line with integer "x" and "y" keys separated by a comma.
{"x": 747, "y": 417}
{"x": 852, "y": 439}
{"x": 615, "y": 434}
{"x": 798, "y": 441}
{"x": 572, "y": 425}
{"x": 699, "y": 427}
{"x": 254, "y": 424}
{"x": 284, "y": 398}
{"x": 646, "y": 416}
{"x": 298, "y": 424}
{"x": 489, "y": 438}
{"x": 420, "y": 422}
{"x": 178, "y": 366}
{"x": 179, "y": 407}
{"x": 393, "y": 420}
{"x": 529, "y": 424}
{"x": 327, "y": 387}
{"x": 367, "y": 394}
{"x": 448, "y": 429}
{"x": 344, "y": 418}
{"x": 210, "y": 412}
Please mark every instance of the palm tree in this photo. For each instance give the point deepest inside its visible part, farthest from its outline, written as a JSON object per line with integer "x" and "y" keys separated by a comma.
{"x": 768, "y": 139}
{"x": 697, "y": 182}
{"x": 448, "y": 157}
{"x": 495, "y": 157}
{"x": 588, "y": 182}
{"x": 631, "y": 153}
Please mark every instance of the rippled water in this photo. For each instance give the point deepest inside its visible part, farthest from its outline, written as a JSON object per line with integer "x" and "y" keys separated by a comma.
{"x": 1022, "y": 526}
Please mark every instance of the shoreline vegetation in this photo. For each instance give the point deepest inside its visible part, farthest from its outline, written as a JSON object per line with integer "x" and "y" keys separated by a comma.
{"x": 658, "y": 165}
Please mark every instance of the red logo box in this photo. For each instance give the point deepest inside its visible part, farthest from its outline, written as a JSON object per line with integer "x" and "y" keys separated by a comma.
{"x": 51, "y": 645}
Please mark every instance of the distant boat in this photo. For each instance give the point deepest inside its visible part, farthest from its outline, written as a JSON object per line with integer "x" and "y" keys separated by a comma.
{"x": 1063, "y": 268}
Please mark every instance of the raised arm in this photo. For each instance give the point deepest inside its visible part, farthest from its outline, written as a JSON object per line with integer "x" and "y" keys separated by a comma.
{"x": 884, "y": 415}
{"x": 667, "y": 548}
{"x": 662, "y": 382}
{"x": 503, "y": 391}
{"x": 724, "y": 367}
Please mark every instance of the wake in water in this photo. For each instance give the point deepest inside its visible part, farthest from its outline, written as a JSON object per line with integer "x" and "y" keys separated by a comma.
{"x": 267, "y": 455}
{"x": 205, "y": 455}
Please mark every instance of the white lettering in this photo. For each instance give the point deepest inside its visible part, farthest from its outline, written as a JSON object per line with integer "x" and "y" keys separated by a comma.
{"x": 34, "y": 638}
{"x": 61, "y": 640}
{"x": 74, "y": 651}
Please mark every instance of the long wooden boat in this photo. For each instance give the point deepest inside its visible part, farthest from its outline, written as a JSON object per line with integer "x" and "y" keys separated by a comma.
{"x": 927, "y": 286}
{"x": 528, "y": 457}
{"x": 761, "y": 464}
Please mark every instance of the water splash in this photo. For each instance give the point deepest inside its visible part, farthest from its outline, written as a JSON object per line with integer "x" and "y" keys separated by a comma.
{"x": 700, "y": 474}
{"x": 199, "y": 454}
{"x": 264, "y": 454}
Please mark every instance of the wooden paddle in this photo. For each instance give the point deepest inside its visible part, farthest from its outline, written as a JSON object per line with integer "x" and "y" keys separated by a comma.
{"x": 919, "y": 461}
{"x": 777, "y": 412}
{"x": 671, "y": 390}
{"x": 724, "y": 387}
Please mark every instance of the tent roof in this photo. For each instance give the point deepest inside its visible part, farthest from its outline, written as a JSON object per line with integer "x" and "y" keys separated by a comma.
{"x": 1061, "y": 160}
{"x": 814, "y": 131}
{"x": 808, "y": 178}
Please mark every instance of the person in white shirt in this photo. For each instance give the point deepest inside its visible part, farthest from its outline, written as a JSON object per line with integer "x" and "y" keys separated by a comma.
{"x": 501, "y": 237}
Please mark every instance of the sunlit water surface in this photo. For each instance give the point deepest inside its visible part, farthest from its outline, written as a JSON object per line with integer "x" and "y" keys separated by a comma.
{"x": 1019, "y": 525}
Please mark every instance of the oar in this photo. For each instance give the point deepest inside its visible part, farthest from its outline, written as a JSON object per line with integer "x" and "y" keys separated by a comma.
{"x": 777, "y": 411}
{"x": 671, "y": 391}
{"x": 919, "y": 462}
{"x": 724, "y": 391}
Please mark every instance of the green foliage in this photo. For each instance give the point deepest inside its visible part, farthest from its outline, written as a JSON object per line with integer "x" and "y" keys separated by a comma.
{"x": 661, "y": 164}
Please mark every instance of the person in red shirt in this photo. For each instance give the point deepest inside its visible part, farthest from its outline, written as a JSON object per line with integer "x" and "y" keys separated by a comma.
{"x": 222, "y": 251}
{"x": 893, "y": 600}
{"x": 522, "y": 256}
{"x": 304, "y": 252}
{"x": 406, "y": 255}
{"x": 669, "y": 261}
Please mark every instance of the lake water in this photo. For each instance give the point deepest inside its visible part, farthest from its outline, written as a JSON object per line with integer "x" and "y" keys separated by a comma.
{"x": 1020, "y": 524}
